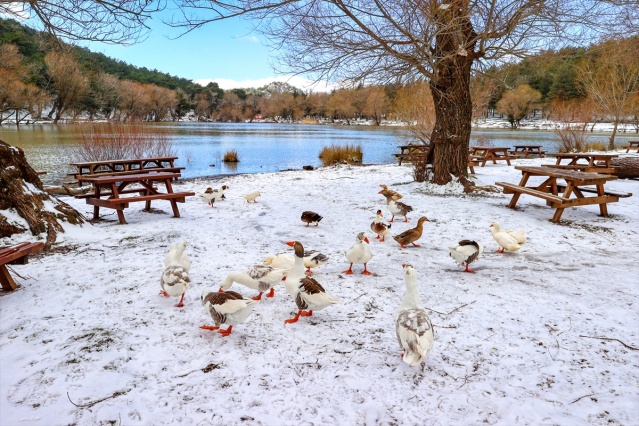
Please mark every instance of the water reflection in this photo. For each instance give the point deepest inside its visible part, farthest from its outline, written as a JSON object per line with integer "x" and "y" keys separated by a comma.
{"x": 261, "y": 147}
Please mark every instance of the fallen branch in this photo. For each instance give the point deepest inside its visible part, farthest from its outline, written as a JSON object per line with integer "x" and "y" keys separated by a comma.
{"x": 612, "y": 339}
{"x": 91, "y": 404}
{"x": 581, "y": 397}
{"x": 454, "y": 310}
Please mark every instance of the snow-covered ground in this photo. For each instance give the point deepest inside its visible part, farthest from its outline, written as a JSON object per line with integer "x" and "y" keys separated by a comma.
{"x": 545, "y": 335}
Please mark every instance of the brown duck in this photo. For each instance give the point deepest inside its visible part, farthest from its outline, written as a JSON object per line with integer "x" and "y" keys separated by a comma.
{"x": 412, "y": 235}
{"x": 381, "y": 229}
{"x": 309, "y": 217}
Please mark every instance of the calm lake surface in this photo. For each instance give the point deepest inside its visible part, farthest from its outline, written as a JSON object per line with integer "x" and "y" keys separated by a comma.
{"x": 261, "y": 147}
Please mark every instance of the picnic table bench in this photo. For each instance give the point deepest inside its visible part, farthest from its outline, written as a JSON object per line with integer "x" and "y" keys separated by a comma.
{"x": 560, "y": 195}
{"x": 16, "y": 255}
{"x": 125, "y": 167}
{"x": 585, "y": 162}
{"x": 412, "y": 153}
{"x": 632, "y": 145}
{"x": 482, "y": 154}
{"x": 526, "y": 150}
{"x": 115, "y": 186}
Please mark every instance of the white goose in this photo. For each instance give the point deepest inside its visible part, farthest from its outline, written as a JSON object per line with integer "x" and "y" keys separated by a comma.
{"x": 227, "y": 307}
{"x": 466, "y": 252}
{"x": 307, "y": 293}
{"x": 174, "y": 282}
{"x": 280, "y": 260}
{"x": 177, "y": 257}
{"x": 519, "y": 235}
{"x": 359, "y": 253}
{"x": 259, "y": 277}
{"x": 414, "y": 329}
{"x": 505, "y": 240}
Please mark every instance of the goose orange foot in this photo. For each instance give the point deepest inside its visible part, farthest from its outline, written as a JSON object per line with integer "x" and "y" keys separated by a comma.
{"x": 349, "y": 271}
{"x": 468, "y": 269}
{"x": 180, "y": 303}
{"x": 164, "y": 293}
{"x": 271, "y": 293}
{"x": 258, "y": 297}
{"x": 306, "y": 313}
{"x": 209, "y": 327}
{"x": 227, "y": 331}
{"x": 292, "y": 320}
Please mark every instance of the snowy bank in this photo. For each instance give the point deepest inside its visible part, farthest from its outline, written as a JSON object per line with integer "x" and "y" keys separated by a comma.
{"x": 530, "y": 338}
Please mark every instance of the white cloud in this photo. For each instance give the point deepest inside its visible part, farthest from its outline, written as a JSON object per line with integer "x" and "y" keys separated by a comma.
{"x": 250, "y": 38}
{"x": 299, "y": 82}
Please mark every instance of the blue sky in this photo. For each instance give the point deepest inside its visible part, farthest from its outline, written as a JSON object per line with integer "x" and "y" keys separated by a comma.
{"x": 227, "y": 52}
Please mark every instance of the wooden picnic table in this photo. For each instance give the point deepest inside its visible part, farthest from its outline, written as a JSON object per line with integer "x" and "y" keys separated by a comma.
{"x": 632, "y": 145}
{"x": 125, "y": 166}
{"x": 585, "y": 162}
{"x": 527, "y": 150}
{"x": 569, "y": 193}
{"x": 113, "y": 187}
{"x": 412, "y": 153}
{"x": 17, "y": 254}
{"x": 482, "y": 154}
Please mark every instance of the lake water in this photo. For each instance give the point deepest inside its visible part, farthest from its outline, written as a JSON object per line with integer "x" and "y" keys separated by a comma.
{"x": 261, "y": 147}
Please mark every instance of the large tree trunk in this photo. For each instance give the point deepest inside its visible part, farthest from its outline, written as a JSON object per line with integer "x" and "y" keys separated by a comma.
{"x": 450, "y": 88}
{"x": 21, "y": 192}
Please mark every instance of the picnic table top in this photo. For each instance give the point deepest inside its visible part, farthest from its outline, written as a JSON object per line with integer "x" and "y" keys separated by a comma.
{"x": 584, "y": 155}
{"x": 128, "y": 160}
{"x": 488, "y": 148}
{"x": 568, "y": 175}
{"x": 104, "y": 179}
{"x": 527, "y": 146}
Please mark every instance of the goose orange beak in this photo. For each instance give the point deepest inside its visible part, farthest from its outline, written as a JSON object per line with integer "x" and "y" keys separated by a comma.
{"x": 403, "y": 265}
{"x": 366, "y": 239}
{"x": 290, "y": 243}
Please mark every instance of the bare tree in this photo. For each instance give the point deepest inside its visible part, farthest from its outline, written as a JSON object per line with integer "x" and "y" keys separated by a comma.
{"x": 440, "y": 40}
{"x": 611, "y": 79}
{"x": 67, "y": 80}
{"x": 516, "y": 103}
{"x": 115, "y": 21}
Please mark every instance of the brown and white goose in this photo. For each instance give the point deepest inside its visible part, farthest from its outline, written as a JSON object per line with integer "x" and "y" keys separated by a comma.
{"x": 466, "y": 252}
{"x": 226, "y": 307}
{"x": 308, "y": 294}
{"x": 258, "y": 277}
{"x": 380, "y": 228}
{"x": 174, "y": 282}
{"x": 211, "y": 195}
{"x": 413, "y": 327}
{"x": 396, "y": 207}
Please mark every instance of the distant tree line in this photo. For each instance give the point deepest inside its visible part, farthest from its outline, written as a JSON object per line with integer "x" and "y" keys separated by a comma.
{"x": 39, "y": 75}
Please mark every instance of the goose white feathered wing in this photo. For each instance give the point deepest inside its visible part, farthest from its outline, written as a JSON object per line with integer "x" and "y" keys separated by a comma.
{"x": 466, "y": 252}
{"x": 174, "y": 282}
{"x": 519, "y": 235}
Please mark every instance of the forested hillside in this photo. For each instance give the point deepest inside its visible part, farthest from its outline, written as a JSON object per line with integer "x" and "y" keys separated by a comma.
{"x": 41, "y": 79}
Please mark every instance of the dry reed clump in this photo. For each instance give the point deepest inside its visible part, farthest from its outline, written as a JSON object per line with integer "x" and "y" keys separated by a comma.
{"x": 573, "y": 138}
{"x": 336, "y": 154}
{"x": 115, "y": 141}
{"x": 231, "y": 157}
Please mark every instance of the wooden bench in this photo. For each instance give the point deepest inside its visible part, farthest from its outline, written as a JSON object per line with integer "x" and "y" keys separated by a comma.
{"x": 632, "y": 145}
{"x": 474, "y": 160}
{"x": 594, "y": 191}
{"x": 511, "y": 188}
{"x": 17, "y": 254}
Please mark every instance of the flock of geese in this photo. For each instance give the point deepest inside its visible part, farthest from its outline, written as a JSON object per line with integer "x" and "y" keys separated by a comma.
{"x": 413, "y": 327}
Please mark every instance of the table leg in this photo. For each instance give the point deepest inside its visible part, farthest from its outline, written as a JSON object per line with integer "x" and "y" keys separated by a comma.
{"x": 96, "y": 209}
{"x": 116, "y": 194}
{"x": 560, "y": 210}
{"x": 516, "y": 195}
{"x": 508, "y": 158}
{"x": 6, "y": 280}
{"x": 603, "y": 207}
